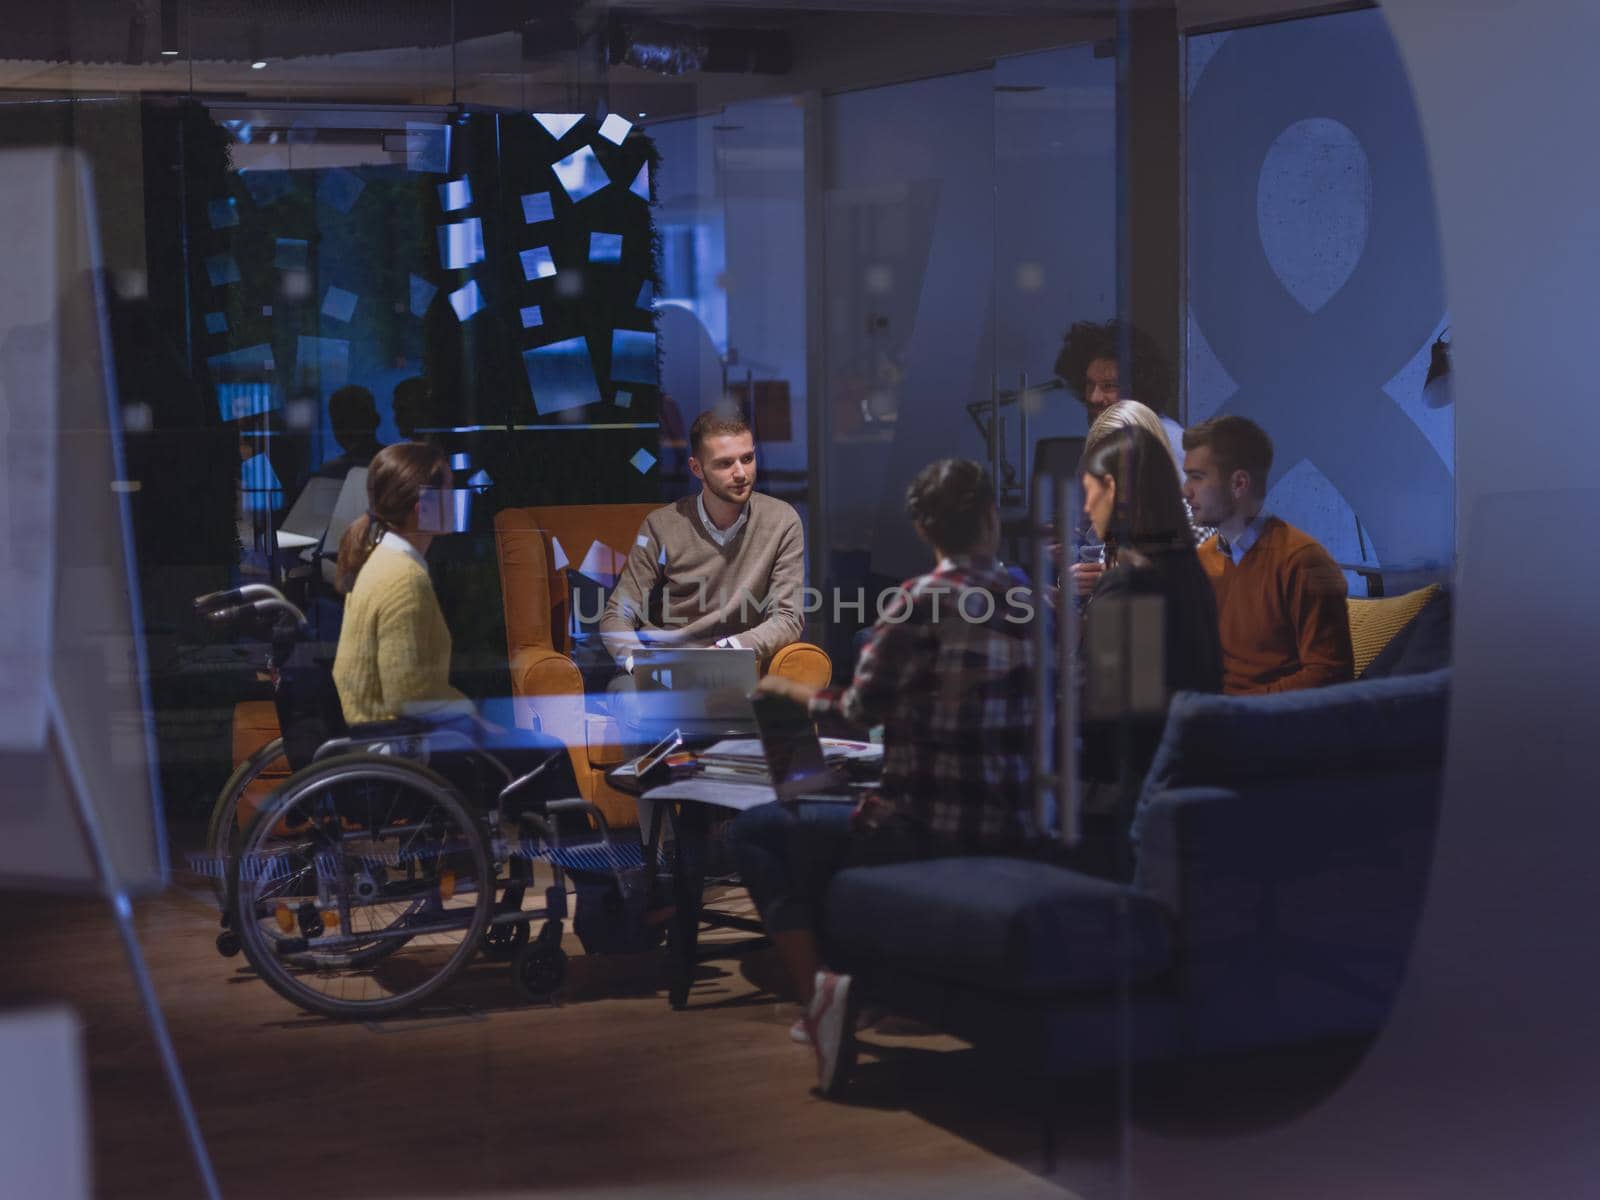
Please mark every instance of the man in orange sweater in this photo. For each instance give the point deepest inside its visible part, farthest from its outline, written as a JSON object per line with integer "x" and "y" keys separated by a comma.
{"x": 1280, "y": 597}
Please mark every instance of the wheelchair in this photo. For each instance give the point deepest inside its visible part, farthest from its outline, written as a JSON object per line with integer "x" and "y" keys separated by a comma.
{"x": 367, "y": 880}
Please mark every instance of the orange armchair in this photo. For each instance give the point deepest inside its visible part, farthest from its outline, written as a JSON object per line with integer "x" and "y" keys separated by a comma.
{"x": 546, "y": 686}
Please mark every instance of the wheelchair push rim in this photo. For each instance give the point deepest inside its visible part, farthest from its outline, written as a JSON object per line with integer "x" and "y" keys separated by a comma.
{"x": 364, "y": 886}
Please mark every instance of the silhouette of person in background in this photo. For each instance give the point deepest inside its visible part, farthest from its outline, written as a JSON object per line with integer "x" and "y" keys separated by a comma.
{"x": 413, "y": 408}
{"x": 353, "y": 414}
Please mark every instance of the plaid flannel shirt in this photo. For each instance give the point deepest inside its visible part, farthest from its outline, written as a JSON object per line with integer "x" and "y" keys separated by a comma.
{"x": 950, "y": 678}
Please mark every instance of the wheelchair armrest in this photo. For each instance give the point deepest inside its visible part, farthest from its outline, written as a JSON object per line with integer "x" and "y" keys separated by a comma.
{"x": 573, "y": 805}
{"x": 376, "y": 731}
{"x": 397, "y": 729}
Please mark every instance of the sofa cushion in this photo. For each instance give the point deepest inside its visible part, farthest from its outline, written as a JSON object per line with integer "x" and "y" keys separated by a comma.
{"x": 1003, "y": 924}
{"x": 1422, "y": 646}
{"x": 1368, "y": 726}
{"x": 1375, "y": 623}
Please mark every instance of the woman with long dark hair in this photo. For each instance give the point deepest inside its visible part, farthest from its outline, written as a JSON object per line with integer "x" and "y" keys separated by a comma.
{"x": 1131, "y": 497}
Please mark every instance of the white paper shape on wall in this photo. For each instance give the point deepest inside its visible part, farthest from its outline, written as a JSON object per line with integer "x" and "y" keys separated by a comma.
{"x": 427, "y": 147}
{"x": 558, "y": 125}
{"x": 461, "y": 244}
{"x": 537, "y": 263}
{"x": 466, "y": 300}
{"x": 580, "y": 174}
{"x": 536, "y": 207}
{"x": 1314, "y": 208}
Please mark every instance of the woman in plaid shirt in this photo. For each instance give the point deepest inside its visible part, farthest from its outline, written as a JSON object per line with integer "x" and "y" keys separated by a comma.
{"x": 948, "y": 672}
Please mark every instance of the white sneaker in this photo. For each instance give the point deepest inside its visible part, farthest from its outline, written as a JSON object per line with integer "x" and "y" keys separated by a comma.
{"x": 869, "y": 1017}
{"x": 830, "y": 1022}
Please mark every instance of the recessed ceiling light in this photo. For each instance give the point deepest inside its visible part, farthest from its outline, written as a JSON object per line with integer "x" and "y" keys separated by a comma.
{"x": 260, "y": 64}
{"x": 169, "y": 53}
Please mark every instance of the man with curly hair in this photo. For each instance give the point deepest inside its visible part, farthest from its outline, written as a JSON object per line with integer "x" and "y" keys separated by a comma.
{"x": 1088, "y": 366}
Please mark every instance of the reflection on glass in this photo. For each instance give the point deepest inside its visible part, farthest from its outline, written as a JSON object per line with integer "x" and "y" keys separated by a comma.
{"x": 259, "y": 484}
{"x": 456, "y": 194}
{"x": 339, "y": 304}
{"x": 461, "y": 244}
{"x": 291, "y": 254}
{"x": 422, "y": 294}
{"x": 580, "y": 174}
{"x": 536, "y": 208}
{"x": 340, "y": 189}
{"x": 427, "y": 147}
{"x": 221, "y": 270}
{"x": 239, "y": 400}
{"x": 466, "y": 300}
{"x": 323, "y": 362}
{"x": 561, "y": 376}
{"x": 633, "y": 356}
{"x": 265, "y": 186}
{"x": 250, "y": 364}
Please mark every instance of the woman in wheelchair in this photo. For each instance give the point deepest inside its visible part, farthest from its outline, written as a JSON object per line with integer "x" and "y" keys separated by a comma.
{"x": 393, "y": 660}
{"x": 378, "y": 870}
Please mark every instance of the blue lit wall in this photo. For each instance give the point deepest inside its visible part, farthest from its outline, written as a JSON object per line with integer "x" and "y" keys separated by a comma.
{"x": 1314, "y": 282}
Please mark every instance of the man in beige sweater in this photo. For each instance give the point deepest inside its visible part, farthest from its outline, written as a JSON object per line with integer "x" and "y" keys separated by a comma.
{"x": 724, "y": 567}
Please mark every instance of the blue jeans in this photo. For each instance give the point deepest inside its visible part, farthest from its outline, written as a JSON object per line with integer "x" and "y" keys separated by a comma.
{"x": 788, "y": 853}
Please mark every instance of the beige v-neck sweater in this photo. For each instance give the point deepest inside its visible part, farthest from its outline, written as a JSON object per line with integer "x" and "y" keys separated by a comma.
{"x": 679, "y": 588}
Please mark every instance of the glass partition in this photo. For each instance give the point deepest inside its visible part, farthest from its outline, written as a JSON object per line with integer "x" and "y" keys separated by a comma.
{"x": 546, "y": 239}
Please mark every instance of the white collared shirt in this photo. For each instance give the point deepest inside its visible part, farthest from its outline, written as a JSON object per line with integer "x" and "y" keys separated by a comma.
{"x": 393, "y": 541}
{"x": 1240, "y": 546}
{"x": 721, "y": 536}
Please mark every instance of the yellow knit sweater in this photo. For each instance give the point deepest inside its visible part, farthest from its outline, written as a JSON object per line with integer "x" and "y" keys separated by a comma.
{"x": 394, "y": 647}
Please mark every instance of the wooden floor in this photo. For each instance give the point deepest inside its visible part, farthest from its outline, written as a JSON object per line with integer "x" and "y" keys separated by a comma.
{"x": 609, "y": 1094}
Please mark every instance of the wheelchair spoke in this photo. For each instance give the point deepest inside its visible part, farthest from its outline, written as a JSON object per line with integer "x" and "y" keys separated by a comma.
{"x": 370, "y": 888}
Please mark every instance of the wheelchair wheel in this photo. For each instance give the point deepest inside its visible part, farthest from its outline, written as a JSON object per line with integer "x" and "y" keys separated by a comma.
{"x": 363, "y": 887}
{"x": 222, "y": 833}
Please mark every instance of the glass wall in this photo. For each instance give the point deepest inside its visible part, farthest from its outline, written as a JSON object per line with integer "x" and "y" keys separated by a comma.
{"x": 548, "y": 241}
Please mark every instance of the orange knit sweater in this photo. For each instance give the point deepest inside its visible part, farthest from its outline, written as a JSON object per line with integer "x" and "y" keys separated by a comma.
{"x": 1281, "y": 613}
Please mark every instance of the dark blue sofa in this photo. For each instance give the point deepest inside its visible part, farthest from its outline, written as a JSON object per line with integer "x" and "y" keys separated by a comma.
{"x": 1282, "y": 848}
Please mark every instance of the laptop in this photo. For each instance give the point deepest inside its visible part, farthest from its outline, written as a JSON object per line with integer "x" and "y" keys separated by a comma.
{"x": 308, "y": 519}
{"x": 790, "y": 752}
{"x": 704, "y": 691}
{"x": 350, "y": 504}
{"x": 793, "y": 752}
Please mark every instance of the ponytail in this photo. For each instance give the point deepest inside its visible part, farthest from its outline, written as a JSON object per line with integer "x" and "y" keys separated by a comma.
{"x": 360, "y": 539}
{"x": 395, "y": 480}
